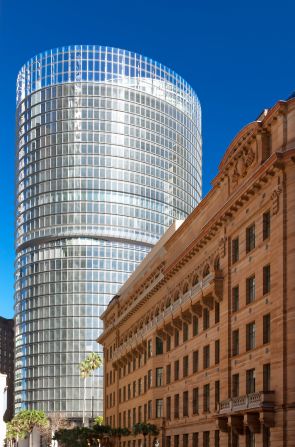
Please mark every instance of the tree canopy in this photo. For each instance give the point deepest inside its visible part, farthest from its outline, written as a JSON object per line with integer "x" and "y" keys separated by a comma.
{"x": 23, "y": 423}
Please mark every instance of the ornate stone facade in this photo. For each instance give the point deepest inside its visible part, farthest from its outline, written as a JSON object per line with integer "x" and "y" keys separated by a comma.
{"x": 200, "y": 340}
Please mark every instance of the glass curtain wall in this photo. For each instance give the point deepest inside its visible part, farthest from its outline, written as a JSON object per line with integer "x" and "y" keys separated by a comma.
{"x": 108, "y": 156}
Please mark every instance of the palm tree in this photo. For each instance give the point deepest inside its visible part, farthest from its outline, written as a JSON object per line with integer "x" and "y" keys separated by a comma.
{"x": 145, "y": 429}
{"x": 87, "y": 367}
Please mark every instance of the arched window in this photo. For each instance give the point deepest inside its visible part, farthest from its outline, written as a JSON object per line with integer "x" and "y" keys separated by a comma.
{"x": 185, "y": 288}
{"x": 206, "y": 271}
{"x": 176, "y": 296}
{"x": 195, "y": 280}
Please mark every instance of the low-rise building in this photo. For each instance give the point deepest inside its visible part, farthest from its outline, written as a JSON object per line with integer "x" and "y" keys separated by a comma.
{"x": 7, "y": 361}
{"x": 200, "y": 340}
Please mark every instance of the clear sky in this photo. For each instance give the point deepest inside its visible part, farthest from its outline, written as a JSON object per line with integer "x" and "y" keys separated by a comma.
{"x": 238, "y": 56}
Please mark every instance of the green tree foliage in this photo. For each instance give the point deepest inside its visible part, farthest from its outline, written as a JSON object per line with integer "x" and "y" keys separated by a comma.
{"x": 23, "y": 423}
{"x": 102, "y": 435}
{"x": 87, "y": 367}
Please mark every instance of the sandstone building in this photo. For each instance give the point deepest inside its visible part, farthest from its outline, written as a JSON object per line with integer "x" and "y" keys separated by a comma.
{"x": 201, "y": 339}
{"x": 7, "y": 361}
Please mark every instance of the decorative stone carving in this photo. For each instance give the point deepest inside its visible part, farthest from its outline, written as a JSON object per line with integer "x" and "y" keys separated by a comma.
{"x": 275, "y": 197}
{"x": 222, "y": 247}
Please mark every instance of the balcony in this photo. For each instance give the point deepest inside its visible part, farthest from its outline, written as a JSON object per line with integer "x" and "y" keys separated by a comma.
{"x": 259, "y": 401}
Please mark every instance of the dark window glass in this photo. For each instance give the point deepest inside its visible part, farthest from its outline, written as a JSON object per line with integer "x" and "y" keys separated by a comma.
{"x": 217, "y": 312}
{"x": 206, "y": 318}
{"x": 250, "y": 238}
{"x": 176, "y": 440}
{"x": 266, "y": 377}
{"x": 168, "y": 441}
{"x": 250, "y": 289}
{"x": 150, "y": 409}
{"x": 234, "y": 439}
{"x": 159, "y": 377}
{"x": 185, "y": 332}
{"x": 266, "y": 279}
{"x": 185, "y": 440}
{"x": 235, "y": 299}
{"x": 195, "y": 400}
{"x": 206, "y": 439}
{"x": 235, "y": 385}
{"x": 250, "y": 381}
{"x": 149, "y": 378}
{"x": 176, "y": 406}
{"x": 176, "y": 338}
{"x": 168, "y": 343}
{"x": 250, "y": 336}
{"x": 168, "y": 408}
{"x": 217, "y": 394}
{"x": 250, "y": 438}
{"x": 195, "y": 361}
{"x": 216, "y": 438}
{"x": 206, "y": 356}
{"x": 176, "y": 370}
{"x": 266, "y": 225}
{"x": 185, "y": 403}
{"x": 185, "y": 366}
{"x": 168, "y": 374}
{"x": 159, "y": 408}
{"x": 235, "y": 250}
{"x": 149, "y": 348}
{"x": 206, "y": 397}
{"x": 235, "y": 341}
{"x": 266, "y": 328}
{"x": 217, "y": 351}
{"x": 195, "y": 440}
{"x": 195, "y": 325}
{"x": 159, "y": 346}
{"x": 266, "y": 436}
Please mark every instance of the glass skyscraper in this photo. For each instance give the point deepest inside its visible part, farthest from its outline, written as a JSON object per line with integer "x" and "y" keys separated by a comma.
{"x": 108, "y": 156}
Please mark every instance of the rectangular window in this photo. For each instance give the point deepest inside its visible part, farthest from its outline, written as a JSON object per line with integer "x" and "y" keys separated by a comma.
{"x": 185, "y": 440}
{"x": 250, "y": 289}
{"x": 195, "y": 325}
{"x": 250, "y": 238}
{"x": 185, "y": 332}
{"x": 216, "y": 438}
{"x": 134, "y": 389}
{"x": 266, "y": 279}
{"x": 235, "y": 250}
{"x": 168, "y": 441}
{"x": 250, "y": 336}
{"x": 236, "y": 342}
{"x": 266, "y": 225}
{"x": 266, "y": 377}
{"x": 206, "y": 439}
{"x": 149, "y": 348}
{"x": 185, "y": 366}
{"x": 266, "y": 328}
{"x": 235, "y": 385}
{"x": 168, "y": 374}
{"x": 176, "y": 406}
{"x": 195, "y": 361}
{"x": 217, "y": 352}
{"x": 134, "y": 416}
{"x": 159, "y": 346}
{"x": 176, "y": 440}
{"x": 168, "y": 408}
{"x": 234, "y": 439}
{"x": 217, "y": 394}
{"x": 150, "y": 409}
{"x": 150, "y": 378}
{"x": 235, "y": 299}
{"x": 139, "y": 413}
{"x": 176, "y": 338}
{"x": 217, "y": 312}
{"x": 129, "y": 391}
{"x": 139, "y": 386}
{"x": 159, "y": 408}
{"x": 206, "y": 397}
{"x": 250, "y": 438}
{"x": 250, "y": 381}
{"x": 195, "y": 440}
{"x": 206, "y": 319}
{"x": 206, "y": 356}
{"x": 266, "y": 436}
{"x": 195, "y": 400}
{"x": 159, "y": 377}
{"x": 185, "y": 403}
{"x": 176, "y": 370}
{"x": 168, "y": 343}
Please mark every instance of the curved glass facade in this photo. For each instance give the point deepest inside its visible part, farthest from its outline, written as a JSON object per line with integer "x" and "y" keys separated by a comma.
{"x": 108, "y": 156}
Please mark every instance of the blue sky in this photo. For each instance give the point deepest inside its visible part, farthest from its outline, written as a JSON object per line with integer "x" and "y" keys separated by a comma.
{"x": 238, "y": 56}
